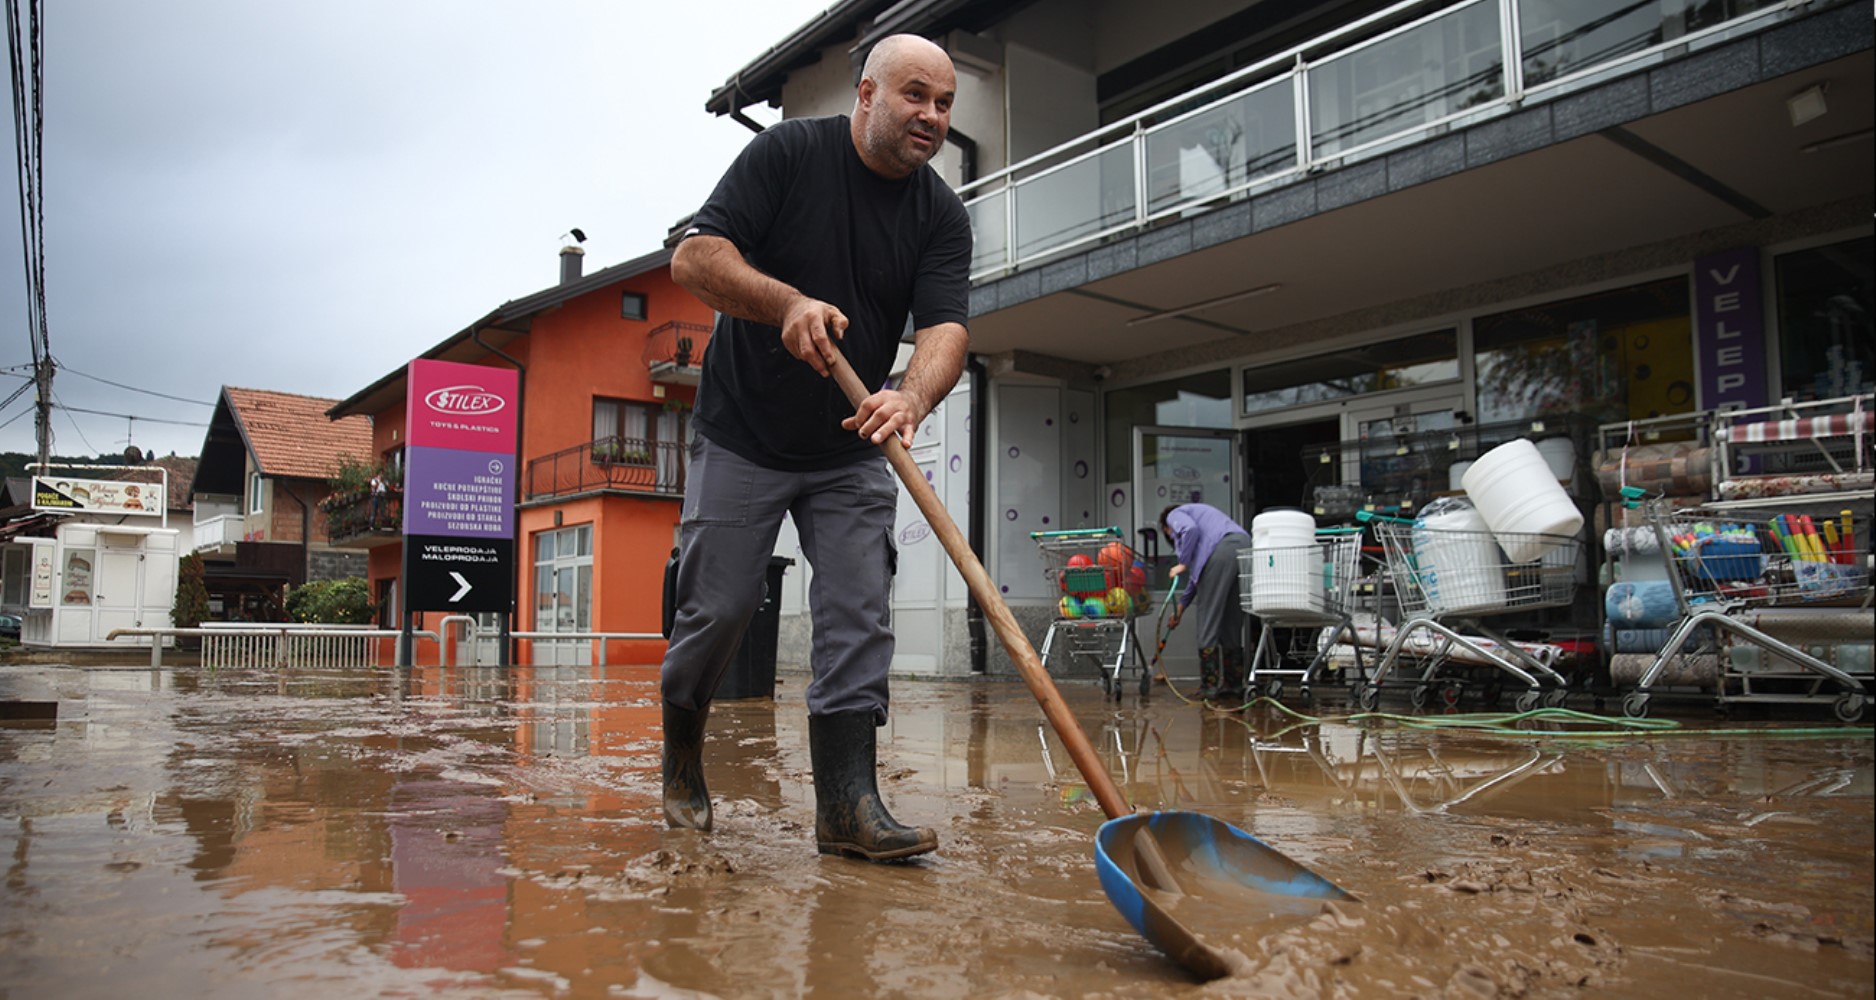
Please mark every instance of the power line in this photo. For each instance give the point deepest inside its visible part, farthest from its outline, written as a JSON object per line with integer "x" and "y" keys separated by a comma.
{"x": 74, "y": 422}
{"x": 128, "y": 416}
{"x": 148, "y": 392}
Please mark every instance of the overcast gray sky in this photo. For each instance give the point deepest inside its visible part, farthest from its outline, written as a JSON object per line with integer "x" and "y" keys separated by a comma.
{"x": 302, "y": 196}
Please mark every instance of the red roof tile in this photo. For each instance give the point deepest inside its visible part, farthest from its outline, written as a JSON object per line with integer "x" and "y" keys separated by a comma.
{"x": 290, "y": 435}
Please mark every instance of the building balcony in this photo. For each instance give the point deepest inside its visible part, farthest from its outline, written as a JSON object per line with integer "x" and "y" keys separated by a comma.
{"x": 363, "y": 520}
{"x": 1399, "y": 76}
{"x": 674, "y": 352}
{"x": 614, "y": 464}
{"x": 218, "y": 535}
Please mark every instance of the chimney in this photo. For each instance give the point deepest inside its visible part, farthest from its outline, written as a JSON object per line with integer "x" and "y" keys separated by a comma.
{"x": 570, "y": 259}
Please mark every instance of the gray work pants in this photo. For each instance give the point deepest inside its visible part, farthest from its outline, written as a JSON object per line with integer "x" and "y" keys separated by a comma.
{"x": 732, "y": 515}
{"x": 1216, "y": 609}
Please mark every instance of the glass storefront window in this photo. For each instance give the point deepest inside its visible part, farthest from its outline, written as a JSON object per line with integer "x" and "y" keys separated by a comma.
{"x": 1617, "y": 355}
{"x": 1201, "y": 400}
{"x": 1393, "y": 364}
{"x": 1827, "y": 343}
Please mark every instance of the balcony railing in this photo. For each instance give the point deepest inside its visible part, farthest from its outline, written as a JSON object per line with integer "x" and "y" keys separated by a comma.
{"x": 363, "y": 516}
{"x": 1393, "y": 77}
{"x": 674, "y": 352}
{"x": 215, "y": 532}
{"x": 620, "y": 464}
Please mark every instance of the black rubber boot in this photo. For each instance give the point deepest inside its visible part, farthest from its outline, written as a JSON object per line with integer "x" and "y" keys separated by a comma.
{"x": 1231, "y": 677}
{"x": 1208, "y": 673}
{"x": 849, "y": 817}
{"x": 686, "y": 800}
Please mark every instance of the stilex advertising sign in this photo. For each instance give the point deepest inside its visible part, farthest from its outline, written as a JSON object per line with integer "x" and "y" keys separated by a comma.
{"x": 459, "y": 486}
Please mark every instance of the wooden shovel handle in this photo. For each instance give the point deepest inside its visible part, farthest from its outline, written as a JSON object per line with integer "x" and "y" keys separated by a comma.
{"x": 1008, "y": 632}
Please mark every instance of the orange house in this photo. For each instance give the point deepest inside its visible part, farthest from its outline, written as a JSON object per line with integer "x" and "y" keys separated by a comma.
{"x": 608, "y": 368}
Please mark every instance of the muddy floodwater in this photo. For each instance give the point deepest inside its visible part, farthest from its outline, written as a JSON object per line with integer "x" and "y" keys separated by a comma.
{"x": 495, "y": 833}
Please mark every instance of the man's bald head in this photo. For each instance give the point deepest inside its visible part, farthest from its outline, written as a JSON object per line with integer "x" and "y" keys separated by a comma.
{"x": 903, "y": 109}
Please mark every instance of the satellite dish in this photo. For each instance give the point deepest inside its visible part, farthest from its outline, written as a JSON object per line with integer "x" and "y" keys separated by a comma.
{"x": 133, "y": 455}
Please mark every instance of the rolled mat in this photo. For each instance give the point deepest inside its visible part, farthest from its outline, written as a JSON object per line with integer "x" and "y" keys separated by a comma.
{"x": 1678, "y": 469}
{"x": 1635, "y": 541}
{"x": 1851, "y": 658}
{"x": 1701, "y": 670}
{"x": 1641, "y": 604}
{"x": 1651, "y": 640}
{"x": 1758, "y": 487}
{"x": 1801, "y": 626}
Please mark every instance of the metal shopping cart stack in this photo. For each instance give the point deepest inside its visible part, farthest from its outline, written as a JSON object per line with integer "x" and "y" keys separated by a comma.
{"x": 1459, "y": 577}
{"x": 1302, "y": 587}
{"x": 1102, "y": 587}
{"x": 1782, "y": 592}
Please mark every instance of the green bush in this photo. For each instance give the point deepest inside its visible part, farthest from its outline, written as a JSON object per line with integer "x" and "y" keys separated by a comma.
{"x": 332, "y": 602}
{"x": 191, "y": 604}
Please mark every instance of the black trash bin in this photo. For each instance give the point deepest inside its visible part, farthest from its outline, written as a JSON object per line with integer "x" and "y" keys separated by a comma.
{"x": 751, "y": 673}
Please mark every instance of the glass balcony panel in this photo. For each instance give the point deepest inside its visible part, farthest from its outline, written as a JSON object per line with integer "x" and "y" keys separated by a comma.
{"x": 1222, "y": 148}
{"x": 1561, "y": 37}
{"x": 1073, "y": 202}
{"x": 1406, "y": 80}
{"x": 989, "y": 232}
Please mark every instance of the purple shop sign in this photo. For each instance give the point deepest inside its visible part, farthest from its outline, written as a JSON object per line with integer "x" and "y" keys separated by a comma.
{"x": 1729, "y": 330}
{"x": 459, "y": 494}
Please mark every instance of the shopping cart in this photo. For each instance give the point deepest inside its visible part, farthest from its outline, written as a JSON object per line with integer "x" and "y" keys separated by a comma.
{"x": 1299, "y": 587}
{"x": 1102, "y": 587}
{"x": 1438, "y": 576}
{"x": 1750, "y": 574}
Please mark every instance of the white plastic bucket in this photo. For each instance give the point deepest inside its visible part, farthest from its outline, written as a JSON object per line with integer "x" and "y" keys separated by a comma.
{"x": 1286, "y": 563}
{"x": 1455, "y": 476}
{"x": 1460, "y": 566}
{"x": 1515, "y": 492}
{"x": 1560, "y": 455}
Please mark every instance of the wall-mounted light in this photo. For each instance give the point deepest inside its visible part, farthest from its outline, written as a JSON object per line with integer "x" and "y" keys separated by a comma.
{"x": 1207, "y": 304}
{"x": 1807, "y": 104}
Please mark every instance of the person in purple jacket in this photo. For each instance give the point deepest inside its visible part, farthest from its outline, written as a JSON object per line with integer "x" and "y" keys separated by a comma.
{"x": 1207, "y": 542}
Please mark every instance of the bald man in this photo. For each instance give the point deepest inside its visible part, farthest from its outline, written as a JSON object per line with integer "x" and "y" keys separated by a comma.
{"x": 824, "y": 231}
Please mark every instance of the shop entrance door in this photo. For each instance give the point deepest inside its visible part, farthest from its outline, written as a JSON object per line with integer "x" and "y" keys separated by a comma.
{"x": 1176, "y": 465}
{"x": 1399, "y": 455}
{"x": 563, "y": 594}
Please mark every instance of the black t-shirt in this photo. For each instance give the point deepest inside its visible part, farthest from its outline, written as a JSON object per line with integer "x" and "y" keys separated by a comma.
{"x": 803, "y": 208}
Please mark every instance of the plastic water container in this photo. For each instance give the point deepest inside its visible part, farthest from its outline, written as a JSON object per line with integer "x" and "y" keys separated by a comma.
{"x": 1516, "y": 493}
{"x": 1460, "y": 566}
{"x": 1286, "y": 563}
{"x": 1455, "y": 476}
{"x": 1560, "y": 455}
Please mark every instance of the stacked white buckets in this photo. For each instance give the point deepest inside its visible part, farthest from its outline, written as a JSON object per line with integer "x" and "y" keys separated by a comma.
{"x": 1517, "y": 493}
{"x": 1286, "y": 570}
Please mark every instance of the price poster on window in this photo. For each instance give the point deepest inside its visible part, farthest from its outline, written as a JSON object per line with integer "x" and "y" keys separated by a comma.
{"x": 459, "y": 486}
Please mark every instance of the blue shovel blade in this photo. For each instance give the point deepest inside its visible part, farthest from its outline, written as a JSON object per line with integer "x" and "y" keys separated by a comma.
{"x": 1229, "y": 882}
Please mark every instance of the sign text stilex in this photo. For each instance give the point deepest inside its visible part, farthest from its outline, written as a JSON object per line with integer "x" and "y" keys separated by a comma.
{"x": 459, "y": 487}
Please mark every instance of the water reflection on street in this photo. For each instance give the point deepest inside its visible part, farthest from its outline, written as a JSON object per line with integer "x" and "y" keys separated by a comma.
{"x": 482, "y": 831}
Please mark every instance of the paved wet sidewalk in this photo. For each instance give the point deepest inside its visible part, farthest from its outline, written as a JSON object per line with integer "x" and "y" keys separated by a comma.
{"x": 480, "y": 832}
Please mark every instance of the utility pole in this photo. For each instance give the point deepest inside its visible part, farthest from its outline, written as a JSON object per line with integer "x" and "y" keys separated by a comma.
{"x": 43, "y": 375}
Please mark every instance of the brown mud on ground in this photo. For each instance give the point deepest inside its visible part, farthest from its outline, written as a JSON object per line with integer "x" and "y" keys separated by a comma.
{"x": 479, "y": 832}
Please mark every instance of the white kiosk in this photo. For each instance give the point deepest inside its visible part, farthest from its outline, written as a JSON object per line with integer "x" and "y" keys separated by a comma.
{"x": 101, "y": 570}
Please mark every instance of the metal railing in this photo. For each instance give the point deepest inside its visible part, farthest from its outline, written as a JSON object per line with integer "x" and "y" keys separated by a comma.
{"x": 1415, "y": 69}
{"x": 247, "y": 646}
{"x": 361, "y": 514}
{"x": 678, "y": 343}
{"x": 630, "y": 465}
{"x": 595, "y": 642}
{"x": 215, "y": 532}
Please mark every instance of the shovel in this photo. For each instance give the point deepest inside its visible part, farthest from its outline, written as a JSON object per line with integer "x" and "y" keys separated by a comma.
{"x": 1157, "y": 868}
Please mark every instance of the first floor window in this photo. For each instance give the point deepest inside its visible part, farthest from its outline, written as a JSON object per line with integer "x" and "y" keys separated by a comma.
{"x": 1827, "y": 340}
